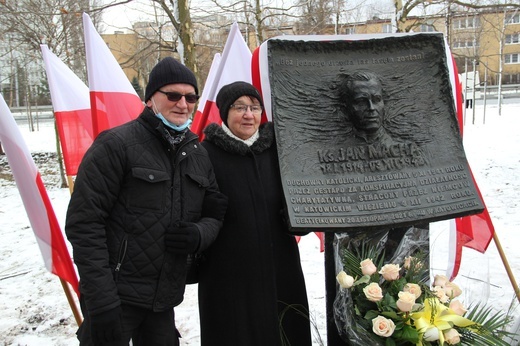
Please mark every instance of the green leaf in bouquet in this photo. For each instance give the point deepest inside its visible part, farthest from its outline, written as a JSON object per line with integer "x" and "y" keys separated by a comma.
{"x": 390, "y": 342}
{"x": 352, "y": 258}
{"x": 490, "y": 327}
{"x": 365, "y": 279}
{"x": 388, "y": 303}
{"x": 407, "y": 334}
{"x": 394, "y": 287}
{"x": 391, "y": 314}
{"x": 371, "y": 314}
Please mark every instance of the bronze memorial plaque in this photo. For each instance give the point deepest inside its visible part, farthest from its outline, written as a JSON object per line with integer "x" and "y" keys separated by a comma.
{"x": 367, "y": 133}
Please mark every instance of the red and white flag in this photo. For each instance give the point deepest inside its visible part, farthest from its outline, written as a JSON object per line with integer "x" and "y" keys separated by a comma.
{"x": 474, "y": 231}
{"x": 35, "y": 199}
{"x": 71, "y": 104}
{"x": 113, "y": 100}
{"x": 234, "y": 65}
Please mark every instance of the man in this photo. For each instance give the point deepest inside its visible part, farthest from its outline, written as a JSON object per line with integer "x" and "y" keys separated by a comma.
{"x": 363, "y": 95}
{"x": 145, "y": 197}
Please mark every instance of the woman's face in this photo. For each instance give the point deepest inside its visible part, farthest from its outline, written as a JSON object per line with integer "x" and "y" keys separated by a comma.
{"x": 244, "y": 124}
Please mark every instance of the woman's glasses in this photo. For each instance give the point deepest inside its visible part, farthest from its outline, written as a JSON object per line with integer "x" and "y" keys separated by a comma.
{"x": 255, "y": 109}
{"x": 175, "y": 96}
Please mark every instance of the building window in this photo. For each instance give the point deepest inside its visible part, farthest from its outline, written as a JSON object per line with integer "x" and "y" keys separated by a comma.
{"x": 465, "y": 44}
{"x": 466, "y": 23}
{"x": 511, "y": 78}
{"x": 513, "y": 19}
{"x": 513, "y": 38}
{"x": 350, "y": 31}
{"x": 427, "y": 28}
{"x": 512, "y": 58}
{"x": 387, "y": 28}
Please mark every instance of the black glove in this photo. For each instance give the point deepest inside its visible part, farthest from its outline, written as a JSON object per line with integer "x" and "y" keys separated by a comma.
{"x": 215, "y": 206}
{"x": 183, "y": 239}
{"x": 106, "y": 327}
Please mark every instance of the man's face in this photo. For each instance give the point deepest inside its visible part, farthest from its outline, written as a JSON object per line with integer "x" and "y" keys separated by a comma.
{"x": 176, "y": 112}
{"x": 367, "y": 106}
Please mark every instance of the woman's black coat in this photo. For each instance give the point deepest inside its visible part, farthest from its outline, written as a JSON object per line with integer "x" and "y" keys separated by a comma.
{"x": 251, "y": 279}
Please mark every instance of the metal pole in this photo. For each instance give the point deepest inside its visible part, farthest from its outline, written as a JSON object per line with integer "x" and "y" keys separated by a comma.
{"x": 465, "y": 89}
{"x": 474, "y": 100}
{"x": 485, "y": 94}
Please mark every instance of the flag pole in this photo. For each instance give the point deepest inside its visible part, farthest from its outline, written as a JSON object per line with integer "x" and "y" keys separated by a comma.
{"x": 64, "y": 284}
{"x": 70, "y": 182}
{"x": 72, "y": 302}
{"x": 506, "y": 265}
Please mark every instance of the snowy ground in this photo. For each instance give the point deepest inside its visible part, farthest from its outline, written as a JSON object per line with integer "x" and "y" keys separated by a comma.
{"x": 34, "y": 310}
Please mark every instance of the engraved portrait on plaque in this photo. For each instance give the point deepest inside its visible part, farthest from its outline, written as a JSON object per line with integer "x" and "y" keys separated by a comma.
{"x": 367, "y": 133}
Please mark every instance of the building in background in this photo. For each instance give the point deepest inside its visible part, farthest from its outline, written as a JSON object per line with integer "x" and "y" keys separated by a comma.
{"x": 485, "y": 41}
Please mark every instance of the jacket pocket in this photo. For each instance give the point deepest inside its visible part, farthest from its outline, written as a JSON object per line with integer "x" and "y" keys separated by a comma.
{"x": 148, "y": 189}
{"x": 195, "y": 189}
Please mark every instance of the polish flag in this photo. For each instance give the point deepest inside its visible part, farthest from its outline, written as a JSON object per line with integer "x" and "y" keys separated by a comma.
{"x": 71, "y": 104}
{"x": 234, "y": 65}
{"x": 113, "y": 100}
{"x": 35, "y": 199}
{"x": 260, "y": 77}
{"x": 473, "y": 231}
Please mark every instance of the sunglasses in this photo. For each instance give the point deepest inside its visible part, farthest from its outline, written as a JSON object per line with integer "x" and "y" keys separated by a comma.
{"x": 175, "y": 96}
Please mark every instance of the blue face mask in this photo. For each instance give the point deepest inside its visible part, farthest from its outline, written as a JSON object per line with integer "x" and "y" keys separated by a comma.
{"x": 169, "y": 124}
{"x": 172, "y": 125}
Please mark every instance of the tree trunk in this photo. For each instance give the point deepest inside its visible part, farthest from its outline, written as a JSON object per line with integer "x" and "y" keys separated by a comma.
{"x": 185, "y": 36}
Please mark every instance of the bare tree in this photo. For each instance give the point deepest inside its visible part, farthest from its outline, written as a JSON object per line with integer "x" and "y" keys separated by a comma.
{"x": 24, "y": 26}
{"x": 56, "y": 23}
{"x": 255, "y": 17}
{"x": 404, "y": 9}
{"x": 316, "y": 15}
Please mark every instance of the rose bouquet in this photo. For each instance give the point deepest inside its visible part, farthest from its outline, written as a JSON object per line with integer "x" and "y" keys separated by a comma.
{"x": 391, "y": 303}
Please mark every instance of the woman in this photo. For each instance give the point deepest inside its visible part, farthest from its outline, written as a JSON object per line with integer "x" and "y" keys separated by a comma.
{"x": 251, "y": 285}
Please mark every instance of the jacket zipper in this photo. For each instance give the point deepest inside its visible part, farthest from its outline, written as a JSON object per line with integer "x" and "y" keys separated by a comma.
{"x": 121, "y": 256}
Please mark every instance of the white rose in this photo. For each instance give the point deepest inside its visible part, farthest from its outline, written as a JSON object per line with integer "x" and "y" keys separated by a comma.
{"x": 407, "y": 261}
{"x": 452, "y": 290}
{"x": 413, "y": 288}
{"x": 373, "y": 292}
{"x": 344, "y": 280}
{"x": 451, "y": 336}
{"x": 390, "y": 272}
{"x": 383, "y": 326}
{"x": 406, "y": 301}
{"x": 440, "y": 280}
{"x": 457, "y": 307}
{"x": 368, "y": 267}
{"x": 439, "y": 293}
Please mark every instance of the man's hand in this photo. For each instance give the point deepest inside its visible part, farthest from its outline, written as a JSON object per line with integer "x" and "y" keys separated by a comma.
{"x": 183, "y": 239}
{"x": 106, "y": 327}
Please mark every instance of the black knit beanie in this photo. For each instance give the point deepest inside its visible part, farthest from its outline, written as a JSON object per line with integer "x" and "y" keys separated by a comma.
{"x": 228, "y": 94}
{"x": 168, "y": 71}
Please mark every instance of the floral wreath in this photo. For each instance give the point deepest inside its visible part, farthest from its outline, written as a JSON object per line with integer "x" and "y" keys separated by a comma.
{"x": 385, "y": 299}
